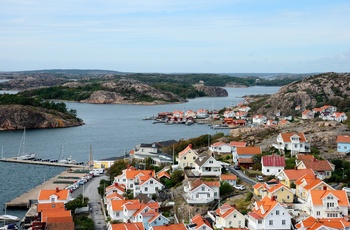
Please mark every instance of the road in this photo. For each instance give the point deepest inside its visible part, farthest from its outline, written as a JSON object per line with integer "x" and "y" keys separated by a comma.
{"x": 242, "y": 176}
{"x": 90, "y": 191}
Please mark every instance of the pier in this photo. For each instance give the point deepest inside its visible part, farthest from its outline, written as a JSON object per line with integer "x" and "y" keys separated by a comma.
{"x": 47, "y": 163}
{"x": 60, "y": 181}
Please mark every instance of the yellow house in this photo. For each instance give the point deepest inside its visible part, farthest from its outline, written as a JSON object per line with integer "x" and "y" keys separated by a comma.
{"x": 308, "y": 182}
{"x": 274, "y": 188}
{"x": 289, "y": 176}
{"x": 187, "y": 157}
{"x": 105, "y": 163}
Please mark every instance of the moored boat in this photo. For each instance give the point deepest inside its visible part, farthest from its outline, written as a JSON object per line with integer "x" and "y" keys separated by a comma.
{"x": 8, "y": 218}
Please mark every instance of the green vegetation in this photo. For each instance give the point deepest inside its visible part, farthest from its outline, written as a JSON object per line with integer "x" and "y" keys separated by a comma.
{"x": 225, "y": 188}
{"x": 182, "y": 90}
{"x": 83, "y": 222}
{"x": 20, "y": 99}
{"x": 103, "y": 184}
{"x": 78, "y": 202}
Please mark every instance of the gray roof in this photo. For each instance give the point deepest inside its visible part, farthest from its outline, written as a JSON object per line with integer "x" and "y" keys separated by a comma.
{"x": 202, "y": 159}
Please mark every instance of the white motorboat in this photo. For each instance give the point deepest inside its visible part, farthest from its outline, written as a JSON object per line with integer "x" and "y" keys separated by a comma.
{"x": 9, "y": 218}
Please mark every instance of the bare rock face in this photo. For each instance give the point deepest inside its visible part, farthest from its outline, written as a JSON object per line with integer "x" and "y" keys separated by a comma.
{"x": 127, "y": 91}
{"x": 308, "y": 93}
{"x": 212, "y": 91}
{"x": 13, "y": 117}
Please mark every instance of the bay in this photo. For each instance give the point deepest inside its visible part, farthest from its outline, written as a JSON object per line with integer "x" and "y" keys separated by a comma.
{"x": 109, "y": 129}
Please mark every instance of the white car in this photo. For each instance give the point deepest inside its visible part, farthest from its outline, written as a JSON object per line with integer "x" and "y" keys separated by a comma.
{"x": 260, "y": 178}
{"x": 239, "y": 187}
{"x": 346, "y": 189}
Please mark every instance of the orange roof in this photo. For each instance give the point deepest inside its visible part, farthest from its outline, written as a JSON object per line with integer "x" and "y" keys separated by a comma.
{"x": 318, "y": 165}
{"x": 200, "y": 221}
{"x": 50, "y": 206}
{"x": 274, "y": 188}
{"x": 343, "y": 139}
{"x": 170, "y": 227}
{"x": 307, "y": 178}
{"x": 248, "y": 150}
{"x": 114, "y": 196}
{"x": 258, "y": 185}
{"x": 183, "y": 152}
{"x": 117, "y": 205}
{"x": 225, "y": 210}
{"x": 286, "y": 137}
{"x": 131, "y": 174}
{"x": 317, "y": 110}
{"x": 228, "y": 177}
{"x": 294, "y": 174}
{"x": 198, "y": 182}
{"x": 267, "y": 204}
{"x": 338, "y": 114}
{"x": 162, "y": 174}
{"x": 128, "y": 226}
{"x": 62, "y": 194}
{"x": 245, "y": 161}
{"x": 318, "y": 195}
{"x": 238, "y": 144}
{"x": 304, "y": 156}
{"x": 306, "y": 112}
{"x": 310, "y": 223}
{"x": 48, "y": 213}
{"x": 220, "y": 143}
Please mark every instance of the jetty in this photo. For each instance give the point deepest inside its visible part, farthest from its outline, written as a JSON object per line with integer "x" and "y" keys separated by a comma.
{"x": 42, "y": 162}
{"x": 60, "y": 181}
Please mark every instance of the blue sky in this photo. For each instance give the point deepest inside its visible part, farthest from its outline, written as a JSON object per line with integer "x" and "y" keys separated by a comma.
{"x": 221, "y": 36}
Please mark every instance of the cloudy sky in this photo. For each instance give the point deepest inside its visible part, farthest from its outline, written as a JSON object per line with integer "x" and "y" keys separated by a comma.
{"x": 216, "y": 36}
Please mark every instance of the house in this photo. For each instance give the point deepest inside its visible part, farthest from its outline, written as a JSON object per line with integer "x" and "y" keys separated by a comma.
{"x": 190, "y": 114}
{"x": 283, "y": 122}
{"x": 201, "y": 192}
{"x": 152, "y": 150}
{"x": 229, "y": 178}
{"x": 259, "y": 119}
{"x": 131, "y": 211}
{"x": 245, "y": 152}
{"x": 227, "y": 216}
{"x": 343, "y": 144}
{"x": 310, "y": 223}
{"x": 235, "y": 144}
{"x": 307, "y": 114}
{"x": 151, "y": 218}
{"x": 220, "y": 147}
{"x": 294, "y": 142}
{"x": 239, "y": 122}
{"x": 199, "y": 223}
{"x": 307, "y": 183}
{"x": 322, "y": 168}
{"x": 246, "y": 163}
{"x": 289, "y": 176}
{"x": 327, "y": 204}
{"x": 202, "y": 113}
{"x": 187, "y": 157}
{"x": 297, "y": 108}
{"x": 241, "y": 115}
{"x": 268, "y": 214}
{"x": 328, "y": 109}
{"x": 163, "y": 174}
{"x": 244, "y": 108}
{"x": 273, "y": 188}
{"x": 271, "y": 123}
{"x": 126, "y": 226}
{"x": 54, "y": 215}
{"x": 229, "y": 114}
{"x": 115, "y": 208}
{"x": 113, "y": 196}
{"x": 115, "y": 187}
{"x": 206, "y": 165}
{"x": 54, "y": 196}
{"x": 339, "y": 116}
{"x": 180, "y": 226}
{"x": 272, "y": 164}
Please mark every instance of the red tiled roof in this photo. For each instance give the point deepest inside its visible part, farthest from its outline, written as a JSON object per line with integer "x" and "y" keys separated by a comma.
{"x": 187, "y": 149}
{"x": 162, "y": 174}
{"x": 200, "y": 221}
{"x": 286, "y": 137}
{"x": 310, "y": 223}
{"x": 220, "y": 143}
{"x": 170, "y": 227}
{"x": 318, "y": 195}
{"x": 228, "y": 177}
{"x": 343, "y": 139}
{"x": 50, "y": 206}
{"x": 198, "y": 182}
{"x": 62, "y": 194}
{"x": 248, "y": 150}
{"x": 225, "y": 210}
{"x": 273, "y": 160}
{"x": 238, "y": 144}
{"x": 245, "y": 160}
{"x": 318, "y": 165}
{"x": 128, "y": 226}
{"x": 304, "y": 156}
{"x": 294, "y": 174}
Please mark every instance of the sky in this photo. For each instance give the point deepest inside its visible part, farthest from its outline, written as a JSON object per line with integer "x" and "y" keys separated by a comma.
{"x": 167, "y": 36}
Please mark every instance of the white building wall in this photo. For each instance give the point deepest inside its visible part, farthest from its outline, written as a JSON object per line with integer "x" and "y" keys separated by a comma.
{"x": 271, "y": 170}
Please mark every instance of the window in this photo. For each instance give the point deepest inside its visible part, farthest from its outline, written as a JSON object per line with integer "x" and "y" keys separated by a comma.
{"x": 146, "y": 189}
{"x": 267, "y": 170}
{"x": 270, "y": 222}
{"x": 184, "y": 158}
{"x": 230, "y": 223}
{"x": 211, "y": 162}
{"x": 283, "y": 222}
{"x": 277, "y": 212}
{"x": 52, "y": 199}
{"x": 117, "y": 213}
{"x": 287, "y": 196}
{"x": 318, "y": 213}
{"x": 259, "y": 221}
{"x": 183, "y": 164}
{"x": 151, "y": 182}
{"x": 296, "y": 146}
{"x": 197, "y": 195}
{"x": 215, "y": 193}
{"x": 234, "y": 215}
{"x": 203, "y": 188}
{"x": 239, "y": 223}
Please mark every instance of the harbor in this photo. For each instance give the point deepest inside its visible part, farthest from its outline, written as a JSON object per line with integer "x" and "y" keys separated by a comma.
{"x": 44, "y": 162}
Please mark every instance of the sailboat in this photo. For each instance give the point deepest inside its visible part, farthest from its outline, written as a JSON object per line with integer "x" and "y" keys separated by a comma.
{"x": 21, "y": 154}
{"x": 67, "y": 160}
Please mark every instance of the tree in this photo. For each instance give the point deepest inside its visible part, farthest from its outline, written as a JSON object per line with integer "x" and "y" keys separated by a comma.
{"x": 78, "y": 202}
{"x": 225, "y": 188}
{"x": 177, "y": 177}
{"x": 117, "y": 168}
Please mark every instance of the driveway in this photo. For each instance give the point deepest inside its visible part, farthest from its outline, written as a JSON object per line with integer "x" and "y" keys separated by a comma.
{"x": 242, "y": 176}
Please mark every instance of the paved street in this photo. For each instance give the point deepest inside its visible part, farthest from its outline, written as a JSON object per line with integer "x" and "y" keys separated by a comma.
{"x": 242, "y": 176}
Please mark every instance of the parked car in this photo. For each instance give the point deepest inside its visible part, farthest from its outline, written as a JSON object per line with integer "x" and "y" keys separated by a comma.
{"x": 259, "y": 178}
{"x": 346, "y": 189}
{"x": 237, "y": 167}
{"x": 239, "y": 187}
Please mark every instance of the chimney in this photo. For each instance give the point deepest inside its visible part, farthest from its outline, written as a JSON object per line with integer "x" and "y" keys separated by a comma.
{"x": 234, "y": 205}
{"x": 116, "y": 184}
{"x": 273, "y": 198}
{"x": 190, "y": 146}
{"x": 57, "y": 189}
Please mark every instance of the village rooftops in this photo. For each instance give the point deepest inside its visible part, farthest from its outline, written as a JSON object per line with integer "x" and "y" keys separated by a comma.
{"x": 343, "y": 139}
{"x": 294, "y": 174}
{"x": 273, "y": 160}
{"x": 248, "y": 150}
{"x": 287, "y": 137}
{"x": 311, "y": 223}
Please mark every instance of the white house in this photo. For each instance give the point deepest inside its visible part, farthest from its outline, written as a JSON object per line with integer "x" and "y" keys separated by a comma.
{"x": 227, "y": 216}
{"x": 220, "y": 147}
{"x": 229, "y": 114}
{"x": 245, "y": 152}
{"x": 131, "y": 211}
{"x": 201, "y": 192}
{"x": 339, "y": 116}
{"x": 307, "y": 183}
{"x": 268, "y": 214}
{"x": 307, "y": 114}
{"x": 244, "y": 108}
{"x": 150, "y": 218}
{"x": 259, "y": 119}
{"x": 229, "y": 178}
{"x": 147, "y": 185}
{"x": 54, "y": 196}
{"x": 202, "y": 113}
{"x": 206, "y": 165}
{"x": 272, "y": 164}
{"x": 327, "y": 204}
{"x": 294, "y": 142}
{"x": 115, "y": 208}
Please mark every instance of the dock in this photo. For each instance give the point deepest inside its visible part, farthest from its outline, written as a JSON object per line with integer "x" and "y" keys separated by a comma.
{"x": 60, "y": 181}
{"x": 47, "y": 163}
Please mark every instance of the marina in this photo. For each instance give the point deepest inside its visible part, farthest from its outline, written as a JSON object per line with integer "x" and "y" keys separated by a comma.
{"x": 46, "y": 162}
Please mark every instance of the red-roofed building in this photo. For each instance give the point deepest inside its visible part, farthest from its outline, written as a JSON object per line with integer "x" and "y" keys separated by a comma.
{"x": 307, "y": 183}
{"x": 311, "y": 223}
{"x": 268, "y": 214}
{"x": 339, "y": 116}
{"x": 115, "y": 208}
{"x": 294, "y": 142}
{"x": 245, "y": 152}
{"x": 307, "y": 114}
{"x": 272, "y": 164}
{"x": 187, "y": 157}
{"x": 227, "y": 216}
{"x": 180, "y": 226}
{"x": 229, "y": 178}
{"x": 54, "y": 196}
{"x": 259, "y": 119}
{"x": 343, "y": 144}
{"x": 322, "y": 168}
{"x": 131, "y": 211}
{"x": 199, "y": 223}
{"x": 275, "y": 189}
{"x": 327, "y": 203}
{"x": 289, "y": 176}
{"x": 220, "y": 147}
{"x": 127, "y": 226}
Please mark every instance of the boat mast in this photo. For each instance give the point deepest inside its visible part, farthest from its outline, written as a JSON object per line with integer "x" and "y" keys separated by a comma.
{"x": 21, "y": 145}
